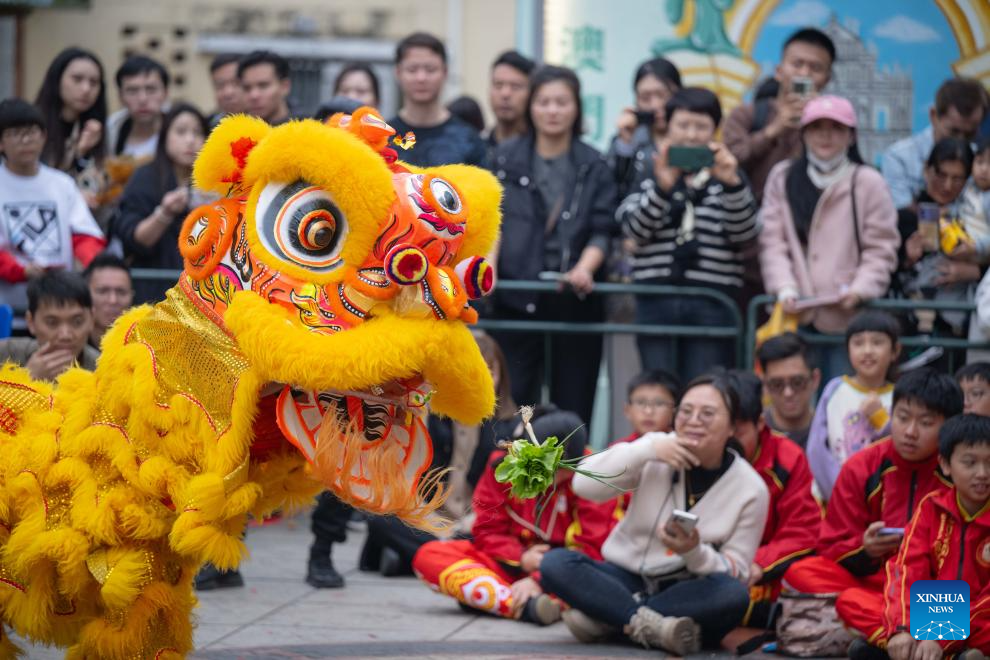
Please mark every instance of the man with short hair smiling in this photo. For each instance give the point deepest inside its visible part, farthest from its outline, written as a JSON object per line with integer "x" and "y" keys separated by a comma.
{"x": 59, "y": 318}
{"x": 790, "y": 381}
{"x": 264, "y": 77}
{"x": 960, "y": 106}
{"x": 441, "y": 138}
{"x": 112, "y": 291}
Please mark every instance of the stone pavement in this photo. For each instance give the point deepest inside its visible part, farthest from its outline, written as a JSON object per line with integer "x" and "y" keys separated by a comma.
{"x": 277, "y": 615}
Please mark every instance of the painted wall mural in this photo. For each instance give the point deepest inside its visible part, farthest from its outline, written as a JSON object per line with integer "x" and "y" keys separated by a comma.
{"x": 892, "y": 55}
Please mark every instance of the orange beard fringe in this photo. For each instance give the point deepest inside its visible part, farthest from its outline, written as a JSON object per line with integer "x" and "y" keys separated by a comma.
{"x": 390, "y": 491}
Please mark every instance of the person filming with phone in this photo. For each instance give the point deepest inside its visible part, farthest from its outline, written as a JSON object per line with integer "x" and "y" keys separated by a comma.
{"x": 829, "y": 234}
{"x": 690, "y": 223}
{"x": 675, "y": 569}
{"x": 763, "y": 133}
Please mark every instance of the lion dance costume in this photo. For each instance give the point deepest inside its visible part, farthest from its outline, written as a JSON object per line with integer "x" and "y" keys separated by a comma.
{"x": 321, "y": 311}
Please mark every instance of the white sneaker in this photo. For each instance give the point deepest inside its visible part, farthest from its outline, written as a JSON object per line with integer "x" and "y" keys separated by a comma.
{"x": 678, "y": 635}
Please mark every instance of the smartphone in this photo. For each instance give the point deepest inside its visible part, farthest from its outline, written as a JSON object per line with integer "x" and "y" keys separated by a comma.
{"x": 686, "y": 521}
{"x": 550, "y": 276}
{"x": 690, "y": 159}
{"x": 802, "y": 85}
{"x": 891, "y": 531}
{"x": 928, "y": 220}
{"x": 645, "y": 117}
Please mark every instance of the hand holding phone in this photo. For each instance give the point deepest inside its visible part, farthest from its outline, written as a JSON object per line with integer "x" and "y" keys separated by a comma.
{"x": 685, "y": 520}
{"x": 689, "y": 159}
{"x": 803, "y": 86}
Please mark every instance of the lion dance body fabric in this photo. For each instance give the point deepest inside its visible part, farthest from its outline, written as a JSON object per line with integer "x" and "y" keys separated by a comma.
{"x": 320, "y": 314}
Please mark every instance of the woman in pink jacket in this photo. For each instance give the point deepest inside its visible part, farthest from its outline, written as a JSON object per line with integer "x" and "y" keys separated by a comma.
{"x": 829, "y": 225}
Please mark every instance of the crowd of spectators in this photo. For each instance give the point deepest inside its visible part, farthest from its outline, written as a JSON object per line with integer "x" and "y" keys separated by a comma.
{"x": 824, "y": 476}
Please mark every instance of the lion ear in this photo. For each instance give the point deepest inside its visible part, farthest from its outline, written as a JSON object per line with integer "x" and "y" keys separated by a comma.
{"x": 220, "y": 164}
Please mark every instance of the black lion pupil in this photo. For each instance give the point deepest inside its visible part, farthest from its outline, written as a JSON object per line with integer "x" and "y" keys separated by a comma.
{"x": 322, "y": 237}
{"x": 447, "y": 200}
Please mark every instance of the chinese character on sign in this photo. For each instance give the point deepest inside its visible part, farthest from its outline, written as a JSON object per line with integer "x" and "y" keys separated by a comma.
{"x": 586, "y": 48}
{"x": 594, "y": 115}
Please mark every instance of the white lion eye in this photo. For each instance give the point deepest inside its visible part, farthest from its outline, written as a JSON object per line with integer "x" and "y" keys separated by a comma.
{"x": 299, "y": 222}
{"x": 445, "y": 196}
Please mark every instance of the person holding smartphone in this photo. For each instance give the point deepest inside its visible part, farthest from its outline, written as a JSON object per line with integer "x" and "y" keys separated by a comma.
{"x": 767, "y": 131}
{"x": 640, "y": 128}
{"x": 690, "y": 223}
{"x": 925, "y": 269}
{"x": 676, "y": 566}
{"x": 877, "y": 492}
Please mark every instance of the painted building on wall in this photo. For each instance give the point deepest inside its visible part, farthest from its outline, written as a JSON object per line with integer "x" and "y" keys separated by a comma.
{"x": 898, "y": 51}
{"x": 883, "y": 98}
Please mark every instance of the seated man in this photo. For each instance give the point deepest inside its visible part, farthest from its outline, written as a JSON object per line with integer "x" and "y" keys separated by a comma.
{"x": 790, "y": 379}
{"x": 110, "y": 285}
{"x": 59, "y": 318}
{"x": 877, "y": 491}
{"x": 794, "y": 518}
{"x": 947, "y": 540}
{"x": 498, "y": 572}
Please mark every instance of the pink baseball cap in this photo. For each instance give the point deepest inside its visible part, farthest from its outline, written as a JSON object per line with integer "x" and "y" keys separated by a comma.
{"x": 835, "y": 108}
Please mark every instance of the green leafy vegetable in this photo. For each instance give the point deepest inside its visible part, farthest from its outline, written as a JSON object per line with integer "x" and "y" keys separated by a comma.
{"x": 530, "y": 466}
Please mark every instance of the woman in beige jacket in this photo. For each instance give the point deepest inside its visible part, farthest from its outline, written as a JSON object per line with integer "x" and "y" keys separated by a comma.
{"x": 667, "y": 584}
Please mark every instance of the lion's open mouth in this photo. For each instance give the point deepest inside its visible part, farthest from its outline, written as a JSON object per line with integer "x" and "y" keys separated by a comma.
{"x": 371, "y": 449}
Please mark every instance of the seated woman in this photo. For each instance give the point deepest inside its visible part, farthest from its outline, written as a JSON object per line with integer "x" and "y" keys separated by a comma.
{"x": 667, "y": 584}
{"x": 497, "y": 571}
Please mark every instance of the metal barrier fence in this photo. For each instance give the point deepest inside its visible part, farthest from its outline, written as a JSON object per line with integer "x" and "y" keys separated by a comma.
{"x": 890, "y": 305}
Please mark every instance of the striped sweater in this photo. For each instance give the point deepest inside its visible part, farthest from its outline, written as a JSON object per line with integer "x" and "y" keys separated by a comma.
{"x": 724, "y": 221}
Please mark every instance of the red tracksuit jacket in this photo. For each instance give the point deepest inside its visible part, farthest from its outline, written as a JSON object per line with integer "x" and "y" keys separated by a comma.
{"x": 504, "y": 527}
{"x": 874, "y": 484}
{"x": 941, "y": 543}
{"x": 795, "y": 517}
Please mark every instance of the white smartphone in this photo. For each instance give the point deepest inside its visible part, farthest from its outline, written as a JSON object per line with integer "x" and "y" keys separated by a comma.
{"x": 890, "y": 531}
{"x": 686, "y": 521}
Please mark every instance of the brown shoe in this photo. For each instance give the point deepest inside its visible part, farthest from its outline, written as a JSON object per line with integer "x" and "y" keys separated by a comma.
{"x": 585, "y": 629}
{"x": 678, "y": 635}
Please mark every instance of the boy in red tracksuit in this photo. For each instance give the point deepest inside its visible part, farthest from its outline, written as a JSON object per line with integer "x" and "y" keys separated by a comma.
{"x": 875, "y": 495}
{"x": 498, "y": 571}
{"x": 794, "y": 515}
{"x": 651, "y": 397}
{"x": 948, "y": 539}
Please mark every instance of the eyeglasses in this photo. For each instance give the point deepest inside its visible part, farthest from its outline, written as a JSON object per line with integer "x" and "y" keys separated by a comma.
{"x": 657, "y": 404}
{"x": 23, "y": 134}
{"x": 780, "y": 385}
{"x": 706, "y": 414}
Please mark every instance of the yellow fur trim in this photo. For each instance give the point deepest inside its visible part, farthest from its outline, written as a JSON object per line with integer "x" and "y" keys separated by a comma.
{"x": 215, "y": 161}
{"x": 379, "y": 350}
